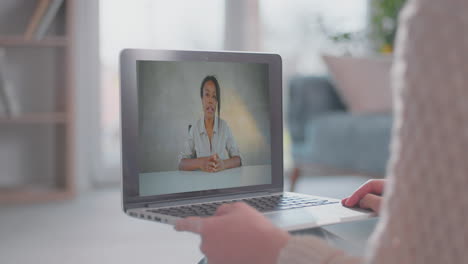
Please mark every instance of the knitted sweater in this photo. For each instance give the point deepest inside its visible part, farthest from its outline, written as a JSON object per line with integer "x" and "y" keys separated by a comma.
{"x": 425, "y": 206}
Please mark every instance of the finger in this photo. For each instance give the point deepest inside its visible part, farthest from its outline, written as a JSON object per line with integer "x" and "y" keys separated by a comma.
{"x": 212, "y": 157}
{"x": 343, "y": 201}
{"x": 191, "y": 224}
{"x": 210, "y": 166}
{"x": 371, "y": 201}
{"x": 238, "y": 205}
{"x": 224, "y": 209}
{"x": 372, "y": 186}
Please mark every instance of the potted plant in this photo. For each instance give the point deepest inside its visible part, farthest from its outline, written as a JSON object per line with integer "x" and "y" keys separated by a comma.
{"x": 384, "y": 23}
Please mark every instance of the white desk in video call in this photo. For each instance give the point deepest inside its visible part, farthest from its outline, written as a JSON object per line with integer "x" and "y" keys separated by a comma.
{"x": 154, "y": 183}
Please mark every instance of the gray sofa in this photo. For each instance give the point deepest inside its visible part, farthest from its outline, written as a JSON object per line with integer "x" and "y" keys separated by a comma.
{"x": 327, "y": 139}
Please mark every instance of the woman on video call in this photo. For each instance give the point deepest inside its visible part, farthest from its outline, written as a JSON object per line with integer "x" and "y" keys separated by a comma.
{"x": 210, "y": 137}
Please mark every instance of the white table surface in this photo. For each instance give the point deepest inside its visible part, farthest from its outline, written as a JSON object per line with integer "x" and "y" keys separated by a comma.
{"x": 155, "y": 183}
{"x": 93, "y": 229}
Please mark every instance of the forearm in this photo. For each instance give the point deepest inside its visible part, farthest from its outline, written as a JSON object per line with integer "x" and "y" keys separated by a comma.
{"x": 312, "y": 250}
{"x": 191, "y": 164}
{"x": 430, "y": 139}
{"x": 233, "y": 162}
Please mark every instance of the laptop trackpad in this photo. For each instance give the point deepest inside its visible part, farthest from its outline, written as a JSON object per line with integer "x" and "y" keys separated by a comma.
{"x": 299, "y": 217}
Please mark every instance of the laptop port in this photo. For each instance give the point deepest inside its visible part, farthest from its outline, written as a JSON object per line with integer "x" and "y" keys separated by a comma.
{"x": 157, "y": 219}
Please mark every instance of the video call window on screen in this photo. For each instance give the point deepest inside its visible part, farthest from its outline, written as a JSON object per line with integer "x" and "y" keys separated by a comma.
{"x": 202, "y": 126}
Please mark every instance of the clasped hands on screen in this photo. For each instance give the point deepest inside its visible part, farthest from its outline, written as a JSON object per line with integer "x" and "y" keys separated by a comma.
{"x": 212, "y": 164}
{"x": 238, "y": 233}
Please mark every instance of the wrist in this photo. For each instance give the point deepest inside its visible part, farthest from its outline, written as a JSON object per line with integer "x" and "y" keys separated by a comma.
{"x": 279, "y": 239}
{"x": 283, "y": 239}
{"x": 201, "y": 163}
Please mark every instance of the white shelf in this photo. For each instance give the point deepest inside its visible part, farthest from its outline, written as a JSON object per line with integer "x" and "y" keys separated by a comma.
{"x": 18, "y": 41}
{"x": 34, "y": 118}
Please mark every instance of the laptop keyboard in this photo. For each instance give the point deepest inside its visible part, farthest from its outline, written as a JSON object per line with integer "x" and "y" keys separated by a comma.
{"x": 262, "y": 204}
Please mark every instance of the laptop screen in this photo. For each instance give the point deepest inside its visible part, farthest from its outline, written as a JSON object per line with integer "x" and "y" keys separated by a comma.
{"x": 202, "y": 126}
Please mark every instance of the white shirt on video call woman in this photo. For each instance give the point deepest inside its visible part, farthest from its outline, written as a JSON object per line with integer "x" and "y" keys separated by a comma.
{"x": 210, "y": 145}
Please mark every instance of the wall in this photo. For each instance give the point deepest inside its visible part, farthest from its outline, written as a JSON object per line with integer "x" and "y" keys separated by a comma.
{"x": 85, "y": 50}
{"x": 169, "y": 94}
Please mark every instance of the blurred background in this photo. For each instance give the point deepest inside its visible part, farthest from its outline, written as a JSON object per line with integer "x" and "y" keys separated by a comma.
{"x": 60, "y": 120}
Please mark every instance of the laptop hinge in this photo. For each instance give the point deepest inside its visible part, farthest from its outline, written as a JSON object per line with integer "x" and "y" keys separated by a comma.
{"x": 206, "y": 199}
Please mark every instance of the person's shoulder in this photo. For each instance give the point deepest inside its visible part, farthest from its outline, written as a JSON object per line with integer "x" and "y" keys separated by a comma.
{"x": 223, "y": 124}
{"x": 196, "y": 125}
{"x": 198, "y": 122}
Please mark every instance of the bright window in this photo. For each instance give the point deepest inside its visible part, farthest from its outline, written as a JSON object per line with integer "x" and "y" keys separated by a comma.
{"x": 299, "y": 30}
{"x": 150, "y": 24}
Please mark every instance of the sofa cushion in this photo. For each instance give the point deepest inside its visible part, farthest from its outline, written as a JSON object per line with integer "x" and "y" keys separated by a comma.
{"x": 309, "y": 97}
{"x": 358, "y": 143}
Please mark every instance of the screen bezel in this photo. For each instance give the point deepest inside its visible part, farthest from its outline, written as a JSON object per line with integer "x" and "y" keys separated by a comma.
{"x": 130, "y": 126}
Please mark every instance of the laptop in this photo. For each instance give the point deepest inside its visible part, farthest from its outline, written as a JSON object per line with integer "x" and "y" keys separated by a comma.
{"x": 200, "y": 129}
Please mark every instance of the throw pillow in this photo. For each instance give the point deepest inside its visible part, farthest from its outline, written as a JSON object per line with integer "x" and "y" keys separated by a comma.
{"x": 363, "y": 83}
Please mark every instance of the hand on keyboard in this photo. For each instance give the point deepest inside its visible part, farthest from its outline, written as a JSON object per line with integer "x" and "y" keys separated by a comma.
{"x": 262, "y": 204}
{"x": 237, "y": 233}
{"x": 368, "y": 196}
